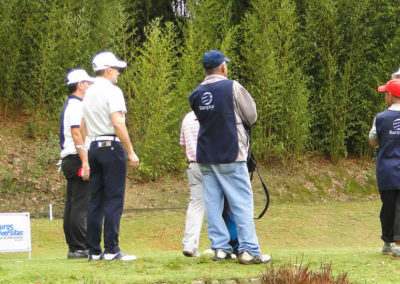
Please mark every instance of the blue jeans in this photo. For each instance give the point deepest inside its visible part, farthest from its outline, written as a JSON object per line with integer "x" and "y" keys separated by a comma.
{"x": 231, "y": 180}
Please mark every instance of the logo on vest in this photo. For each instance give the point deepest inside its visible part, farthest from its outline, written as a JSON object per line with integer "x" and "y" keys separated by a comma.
{"x": 396, "y": 127}
{"x": 206, "y": 100}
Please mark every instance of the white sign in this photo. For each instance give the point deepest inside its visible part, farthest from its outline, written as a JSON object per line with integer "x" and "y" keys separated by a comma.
{"x": 15, "y": 232}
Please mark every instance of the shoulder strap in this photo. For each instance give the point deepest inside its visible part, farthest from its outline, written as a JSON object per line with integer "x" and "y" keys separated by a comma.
{"x": 266, "y": 193}
{"x": 252, "y": 167}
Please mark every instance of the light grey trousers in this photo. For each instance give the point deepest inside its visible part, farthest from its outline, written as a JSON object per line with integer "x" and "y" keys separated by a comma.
{"x": 196, "y": 210}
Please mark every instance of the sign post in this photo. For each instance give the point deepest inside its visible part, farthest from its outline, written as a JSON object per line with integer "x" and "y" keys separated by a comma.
{"x": 15, "y": 232}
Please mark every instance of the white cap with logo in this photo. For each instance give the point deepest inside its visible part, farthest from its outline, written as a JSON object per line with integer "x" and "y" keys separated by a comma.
{"x": 105, "y": 59}
{"x": 78, "y": 75}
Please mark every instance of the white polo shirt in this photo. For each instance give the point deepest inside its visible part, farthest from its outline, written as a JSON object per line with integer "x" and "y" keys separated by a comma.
{"x": 71, "y": 117}
{"x": 102, "y": 98}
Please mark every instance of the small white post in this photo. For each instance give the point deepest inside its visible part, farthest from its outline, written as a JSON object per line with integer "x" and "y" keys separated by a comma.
{"x": 51, "y": 212}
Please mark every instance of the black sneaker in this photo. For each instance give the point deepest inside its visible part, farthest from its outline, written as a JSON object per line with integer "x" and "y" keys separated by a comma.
{"x": 189, "y": 253}
{"x": 77, "y": 254}
{"x": 387, "y": 248}
{"x": 246, "y": 258}
{"x": 219, "y": 254}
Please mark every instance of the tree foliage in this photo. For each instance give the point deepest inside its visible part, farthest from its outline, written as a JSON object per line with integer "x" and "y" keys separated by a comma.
{"x": 274, "y": 76}
{"x": 311, "y": 66}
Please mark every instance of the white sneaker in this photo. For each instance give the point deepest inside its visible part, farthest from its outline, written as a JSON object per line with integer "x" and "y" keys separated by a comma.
{"x": 265, "y": 258}
{"x": 246, "y": 258}
{"x": 95, "y": 257}
{"x": 119, "y": 256}
{"x": 219, "y": 254}
{"x": 208, "y": 251}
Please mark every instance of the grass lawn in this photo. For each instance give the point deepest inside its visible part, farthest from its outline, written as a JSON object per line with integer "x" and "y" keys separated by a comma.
{"x": 344, "y": 233}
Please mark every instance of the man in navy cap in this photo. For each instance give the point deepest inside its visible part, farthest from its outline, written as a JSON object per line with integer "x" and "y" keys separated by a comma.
{"x": 222, "y": 106}
{"x": 385, "y": 132}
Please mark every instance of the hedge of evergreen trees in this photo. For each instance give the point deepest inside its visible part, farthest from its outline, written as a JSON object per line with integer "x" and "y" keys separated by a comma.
{"x": 312, "y": 66}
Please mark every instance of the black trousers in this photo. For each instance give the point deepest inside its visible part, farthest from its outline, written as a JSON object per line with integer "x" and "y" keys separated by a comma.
{"x": 76, "y": 204}
{"x": 390, "y": 215}
{"x": 107, "y": 187}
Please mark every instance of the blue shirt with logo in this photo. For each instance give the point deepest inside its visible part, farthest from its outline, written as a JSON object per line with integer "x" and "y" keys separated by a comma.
{"x": 388, "y": 161}
{"x": 218, "y": 140}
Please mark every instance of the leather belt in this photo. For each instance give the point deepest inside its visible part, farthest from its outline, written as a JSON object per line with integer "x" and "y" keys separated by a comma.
{"x": 104, "y": 143}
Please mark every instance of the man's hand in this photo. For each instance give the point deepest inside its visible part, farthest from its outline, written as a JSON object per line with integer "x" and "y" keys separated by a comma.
{"x": 133, "y": 160}
{"x": 85, "y": 171}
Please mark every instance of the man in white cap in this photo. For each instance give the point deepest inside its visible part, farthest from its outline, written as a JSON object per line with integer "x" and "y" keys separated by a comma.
{"x": 103, "y": 118}
{"x": 73, "y": 155}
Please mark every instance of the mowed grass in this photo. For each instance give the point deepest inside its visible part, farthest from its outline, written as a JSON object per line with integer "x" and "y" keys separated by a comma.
{"x": 344, "y": 233}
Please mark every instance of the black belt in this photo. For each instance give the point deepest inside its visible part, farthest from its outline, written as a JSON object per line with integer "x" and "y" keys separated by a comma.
{"x": 72, "y": 156}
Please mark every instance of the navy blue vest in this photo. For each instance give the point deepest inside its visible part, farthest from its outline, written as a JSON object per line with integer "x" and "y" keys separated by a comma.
{"x": 388, "y": 162}
{"x": 217, "y": 142}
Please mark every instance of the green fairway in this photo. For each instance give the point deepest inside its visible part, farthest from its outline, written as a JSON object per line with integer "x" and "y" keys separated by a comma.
{"x": 344, "y": 233}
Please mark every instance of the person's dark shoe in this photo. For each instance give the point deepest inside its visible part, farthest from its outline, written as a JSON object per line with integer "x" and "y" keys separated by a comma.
{"x": 77, "y": 254}
{"x": 387, "y": 248}
{"x": 95, "y": 257}
{"x": 119, "y": 256}
{"x": 190, "y": 253}
{"x": 246, "y": 258}
{"x": 219, "y": 254}
{"x": 236, "y": 252}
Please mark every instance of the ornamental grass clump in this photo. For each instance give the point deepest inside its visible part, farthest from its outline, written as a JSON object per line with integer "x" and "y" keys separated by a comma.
{"x": 302, "y": 274}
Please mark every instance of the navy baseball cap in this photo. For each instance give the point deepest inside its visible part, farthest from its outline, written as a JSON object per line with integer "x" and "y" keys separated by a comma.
{"x": 213, "y": 58}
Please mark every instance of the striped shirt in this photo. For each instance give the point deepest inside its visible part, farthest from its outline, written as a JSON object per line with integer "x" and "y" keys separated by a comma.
{"x": 189, "y": 132}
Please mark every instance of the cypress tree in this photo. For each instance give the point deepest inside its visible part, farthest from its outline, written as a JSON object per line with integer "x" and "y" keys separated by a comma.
{"x": 157, "y": 109}
{"x": 11, "y": 39}
{"x": 326, "y": 103}
{"x": 275, "y": 80}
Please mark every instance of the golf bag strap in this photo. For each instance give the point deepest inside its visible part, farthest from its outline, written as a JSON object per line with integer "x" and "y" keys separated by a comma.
{"x": 266, "y": 193}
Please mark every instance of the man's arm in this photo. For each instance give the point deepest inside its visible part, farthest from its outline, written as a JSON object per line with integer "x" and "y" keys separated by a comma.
{"x": 83, "y": 128}
{"x": 79, "y": 145}
{"x": 373, "y": 136}
{"x": 118, "y": 121}
{"x": 245, "y": 104}
{"x": 373, "y": 143}
{"x": 85, "y": 164}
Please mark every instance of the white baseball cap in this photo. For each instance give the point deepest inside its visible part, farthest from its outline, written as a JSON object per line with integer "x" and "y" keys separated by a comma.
{"x": 396, "y": 74}
{"x": 78, "y": 75}
{"x": 105, "y": 59}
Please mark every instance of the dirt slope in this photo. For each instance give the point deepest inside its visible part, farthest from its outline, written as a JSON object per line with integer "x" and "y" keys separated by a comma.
{"x": 30, "y": 181}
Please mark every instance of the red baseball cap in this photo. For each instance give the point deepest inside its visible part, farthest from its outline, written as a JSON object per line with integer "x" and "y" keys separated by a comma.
{"x": 393, "y": 87}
